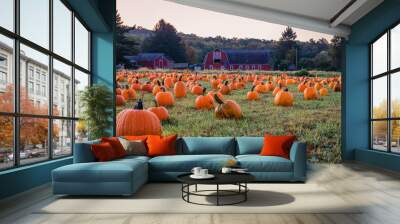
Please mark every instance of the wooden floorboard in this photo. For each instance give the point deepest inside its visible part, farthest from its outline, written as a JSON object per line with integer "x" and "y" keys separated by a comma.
{"x": 378, "y": 190}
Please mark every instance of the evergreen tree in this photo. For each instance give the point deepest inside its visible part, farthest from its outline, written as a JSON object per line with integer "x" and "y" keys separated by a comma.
{"x": 124, "y": 46}
{"x": 167, "y": 41}
{"x": 335, "y": 51}
{"x": 285, "y": 53}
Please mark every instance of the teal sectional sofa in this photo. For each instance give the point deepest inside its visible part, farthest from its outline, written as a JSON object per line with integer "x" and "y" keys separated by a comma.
{"x": 125, "y": 176}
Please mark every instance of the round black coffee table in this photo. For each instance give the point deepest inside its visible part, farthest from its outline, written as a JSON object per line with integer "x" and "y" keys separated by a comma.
{"x": 238, "y": 179}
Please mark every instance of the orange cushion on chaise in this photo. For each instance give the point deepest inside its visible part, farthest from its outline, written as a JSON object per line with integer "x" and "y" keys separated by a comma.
{"x": 277, "y": 145}
{"x": 103, "y": 152}
{"x": 117, "y": 146}
{"x": 161, "y": 145}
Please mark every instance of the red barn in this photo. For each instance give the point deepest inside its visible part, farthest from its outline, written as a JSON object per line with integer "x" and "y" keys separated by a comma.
{"x": 151, "y": 60}
{"x": 237, "y": 60}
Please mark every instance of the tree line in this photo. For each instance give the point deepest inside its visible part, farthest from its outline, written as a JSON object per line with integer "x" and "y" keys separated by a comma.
{"x": 287, "y": 52}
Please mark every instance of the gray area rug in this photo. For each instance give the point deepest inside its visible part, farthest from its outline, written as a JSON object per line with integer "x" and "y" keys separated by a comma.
{"x": 166, "y": 198}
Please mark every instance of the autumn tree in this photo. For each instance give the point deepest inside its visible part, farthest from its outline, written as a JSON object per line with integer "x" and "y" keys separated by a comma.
{"x": 33, "y": 131}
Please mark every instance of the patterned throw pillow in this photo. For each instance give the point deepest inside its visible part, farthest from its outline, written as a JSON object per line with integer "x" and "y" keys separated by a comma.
{"x": 136, "y": 147}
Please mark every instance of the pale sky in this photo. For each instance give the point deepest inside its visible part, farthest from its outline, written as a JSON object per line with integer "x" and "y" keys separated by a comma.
{"x": 202, "y": 22}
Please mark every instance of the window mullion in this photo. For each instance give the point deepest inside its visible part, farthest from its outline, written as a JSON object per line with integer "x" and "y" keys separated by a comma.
{"x": 389, "y": 101}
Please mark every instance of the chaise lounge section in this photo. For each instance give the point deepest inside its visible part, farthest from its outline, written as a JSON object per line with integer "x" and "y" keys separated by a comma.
{"x": 125, "y": 176}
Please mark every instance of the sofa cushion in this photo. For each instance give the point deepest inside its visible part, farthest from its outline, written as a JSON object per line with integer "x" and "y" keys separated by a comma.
{"x": 206, "y": 145}
{"x": 185, "y": 163}
{"x": 112, "y": 171}
{"x": 257, "y": 163}
{"x": 249, "y": 145}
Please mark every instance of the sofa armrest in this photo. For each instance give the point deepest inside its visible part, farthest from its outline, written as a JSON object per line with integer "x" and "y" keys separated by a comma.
{"x": 298, "y": 155}
{"x": 83, "y": 152}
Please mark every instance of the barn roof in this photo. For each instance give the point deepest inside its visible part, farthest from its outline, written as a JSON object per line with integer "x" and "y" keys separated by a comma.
{"x": 247, "y": 56}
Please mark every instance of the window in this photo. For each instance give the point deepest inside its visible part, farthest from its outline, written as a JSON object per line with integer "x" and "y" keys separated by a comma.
{"x": 62, "y": 30}
{"x": 62, "y": 75}
{"x": 81, "y": 81}
{"x": 34, "y": 21}
{"x": 49, "y": 80}
{"x": 385, "y": 94}
{"x": 6, "y": 74}
{"x": 7, "y": 14}
{"x": 81, "y": 45}
{"x": 30, "y": 87}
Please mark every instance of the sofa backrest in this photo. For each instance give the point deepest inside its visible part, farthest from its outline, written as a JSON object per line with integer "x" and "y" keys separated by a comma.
{"x": 206, "y": 145}
{"x": 83, "y": 152}
{"x": 249, "y": 145}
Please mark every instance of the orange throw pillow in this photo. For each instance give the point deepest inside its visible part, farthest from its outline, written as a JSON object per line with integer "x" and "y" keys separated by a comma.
{"x": 116, "y": 145}
{"x": 277, "y": 145}
{"x": 103, "y": 152}
{"x": 161, "y": 146}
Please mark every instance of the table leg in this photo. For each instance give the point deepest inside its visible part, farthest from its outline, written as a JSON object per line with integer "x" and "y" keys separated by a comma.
{"x": 245, "y": 193}
{"x": 195, "y": 188}
{"x": 217, "y": 194}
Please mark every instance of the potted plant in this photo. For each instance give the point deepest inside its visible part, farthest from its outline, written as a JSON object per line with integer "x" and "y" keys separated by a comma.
{"x": 96, "y": 103}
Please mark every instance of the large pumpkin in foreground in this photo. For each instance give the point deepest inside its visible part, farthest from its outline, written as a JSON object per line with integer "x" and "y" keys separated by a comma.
{"x": 227, "y": 109}
{"x": 137, "y": 122}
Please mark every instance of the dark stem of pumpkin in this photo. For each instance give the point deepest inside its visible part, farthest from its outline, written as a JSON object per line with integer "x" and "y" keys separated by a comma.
{"x": 204, "y": 91}
{"x": 226, "y": 83}
{"x": 139, "y": 105}
{"x": 219, "y": 101}
{"x": 286, "y": 90}
{"x": 158, "y": 82}
{"x": 180, "y": 78}
{"x": 163, "y": 89}
{"x": 252, "y": 88}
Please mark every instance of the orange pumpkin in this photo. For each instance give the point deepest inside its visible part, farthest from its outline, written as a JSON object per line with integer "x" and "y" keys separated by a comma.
{"x": 129, "y": 94}
{"x": 197, "y": 89}
{"x": 301, "y": 87}
{"x": 284, "y": 98}
{"x": 227, "y": 109}
{"x": 137, "y": 122}
{"x": 147, "y": 87}
{"x": 225, "y": 89}
{"x": 252, "y": 95}
{"x": 160, "y": 111}
{"x": 156, "y": 88}
{"x": 136, "y": 85}
{"x": 214, "y": 83}
{"x": 119, "y": 100}
{"x": 203, "y": 101}
{"x": 323, "y": 91}
{"x": 269, "y": 86}
{"x": 168, "y": 82}
{"x": 179, "y": 89}
{"x": 165, "y": 98}
{"x": 276, "y": 91}
{"x": 261, "y": 88}
{"x": 310, "y": 93}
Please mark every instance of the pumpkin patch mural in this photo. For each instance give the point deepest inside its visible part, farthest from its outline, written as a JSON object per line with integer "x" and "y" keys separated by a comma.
{"x": 196, "y": 76}
{"x": 279, "y": 102}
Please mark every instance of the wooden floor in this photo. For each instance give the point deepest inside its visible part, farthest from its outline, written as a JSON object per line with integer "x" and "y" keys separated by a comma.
{"x": 377, "y": 188}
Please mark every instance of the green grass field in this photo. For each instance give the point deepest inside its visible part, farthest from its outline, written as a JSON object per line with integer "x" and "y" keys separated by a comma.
{"x": 315, "y": 122}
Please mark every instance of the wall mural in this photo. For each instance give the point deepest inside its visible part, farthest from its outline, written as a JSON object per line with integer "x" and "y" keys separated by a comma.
{"x": 177, "y": 83}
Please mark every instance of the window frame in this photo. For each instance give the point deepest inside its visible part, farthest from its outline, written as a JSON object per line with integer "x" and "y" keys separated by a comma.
{"x": 388, "y": 74}
{"x": 16, "y": 114}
